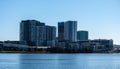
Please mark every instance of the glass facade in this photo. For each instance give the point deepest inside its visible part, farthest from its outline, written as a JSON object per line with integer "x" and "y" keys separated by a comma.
{"x": 36, "y": 33}
{"x": 82, "y": 35}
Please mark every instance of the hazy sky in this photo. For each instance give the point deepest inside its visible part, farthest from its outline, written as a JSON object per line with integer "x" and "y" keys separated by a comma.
{"x": 100, "y": 17}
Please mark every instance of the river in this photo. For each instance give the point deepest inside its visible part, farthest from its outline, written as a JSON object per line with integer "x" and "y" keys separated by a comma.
{"x": 59, "y": 61}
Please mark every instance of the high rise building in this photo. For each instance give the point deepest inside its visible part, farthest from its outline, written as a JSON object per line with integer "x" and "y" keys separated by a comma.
{"x": 61, "y": 31}
{"x": 67, "y": 31}
{"x": 70, "y": 28}
{"x": 28, "y": 31}
{"x": 36, "y": 33}
{"x": 50, "y": 35}
{"x": 41, "y": 35}
{"x": 82, "y": 35}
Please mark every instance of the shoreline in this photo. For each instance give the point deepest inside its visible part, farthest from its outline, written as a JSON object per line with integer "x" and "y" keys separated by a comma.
{"x": 53, "y": 53}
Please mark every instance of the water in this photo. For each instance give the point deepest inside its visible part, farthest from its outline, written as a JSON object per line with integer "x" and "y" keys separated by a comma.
{"x": 59, "y": 61}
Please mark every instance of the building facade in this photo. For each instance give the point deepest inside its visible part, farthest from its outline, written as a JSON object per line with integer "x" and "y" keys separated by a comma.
{"x": 50, "y": 35}
{"x": 61, "y": 31}
{"x": 108, "y": 44}
{"x": 36, "y": 33}
{"x": 67, "y": 31}
{"x": 41, "y": 35}
{"x": 70, "y": 31}
{"x": 28, "y": 31}
{"x": 96, "y": 45}
{"x": 82, "y": 35}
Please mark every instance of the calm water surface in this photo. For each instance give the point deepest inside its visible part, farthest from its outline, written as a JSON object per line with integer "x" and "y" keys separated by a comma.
{"x": 59, "y": 61}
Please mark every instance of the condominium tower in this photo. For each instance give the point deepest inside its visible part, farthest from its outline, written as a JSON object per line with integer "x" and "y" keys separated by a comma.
{"x": 67, "y": 31}
{"x": 36, "y": 33}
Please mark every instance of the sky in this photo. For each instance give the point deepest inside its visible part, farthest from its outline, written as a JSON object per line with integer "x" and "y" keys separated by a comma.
{"x": 100, "y": 17}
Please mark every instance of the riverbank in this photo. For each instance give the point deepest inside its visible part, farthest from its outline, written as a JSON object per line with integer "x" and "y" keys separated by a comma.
{"x": 24, "y": 52}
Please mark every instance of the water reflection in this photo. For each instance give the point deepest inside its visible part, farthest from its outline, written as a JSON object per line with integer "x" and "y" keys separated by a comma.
{"x": 59, "y": 61}
{"x": 9, "y": 61}
{"x": 46, "y": 61}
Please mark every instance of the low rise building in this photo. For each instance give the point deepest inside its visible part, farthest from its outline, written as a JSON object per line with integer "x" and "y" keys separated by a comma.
{"x": 97, "y": 45}
{"x": 82, "y": 35}
{"x": 16, "y": 45}
{"x": 1, "y": 45}
{"x": 108, "y": 44}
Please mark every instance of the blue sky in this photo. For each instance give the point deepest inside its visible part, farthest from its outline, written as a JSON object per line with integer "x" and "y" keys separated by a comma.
{"x": 100, "y": 17}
